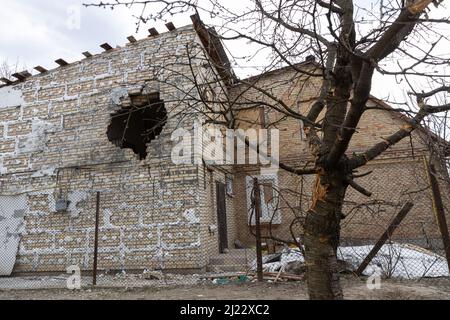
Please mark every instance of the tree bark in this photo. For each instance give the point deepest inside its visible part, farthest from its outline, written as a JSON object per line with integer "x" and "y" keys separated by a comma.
{"x": 322, "y": 232}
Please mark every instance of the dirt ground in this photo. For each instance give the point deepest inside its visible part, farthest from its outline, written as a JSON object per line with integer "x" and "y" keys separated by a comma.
{"x": 354, "y": 288}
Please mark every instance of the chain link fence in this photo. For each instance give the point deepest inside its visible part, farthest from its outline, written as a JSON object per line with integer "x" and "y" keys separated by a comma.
{"x": 140, "y": 236}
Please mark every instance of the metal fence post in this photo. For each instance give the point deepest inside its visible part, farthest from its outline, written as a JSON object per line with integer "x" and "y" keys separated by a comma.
{"x": 97, "y": 213}
{"x": 259, "y": 268}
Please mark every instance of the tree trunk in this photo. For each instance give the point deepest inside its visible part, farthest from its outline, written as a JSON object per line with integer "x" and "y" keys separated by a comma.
{"x": 322, "y": 231}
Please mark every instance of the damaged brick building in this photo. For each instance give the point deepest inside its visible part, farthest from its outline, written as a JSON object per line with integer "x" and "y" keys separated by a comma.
{"x": 67, "y": 133}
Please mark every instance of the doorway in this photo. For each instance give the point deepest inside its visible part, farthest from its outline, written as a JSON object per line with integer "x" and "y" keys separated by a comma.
{"x": 221, "y": 217}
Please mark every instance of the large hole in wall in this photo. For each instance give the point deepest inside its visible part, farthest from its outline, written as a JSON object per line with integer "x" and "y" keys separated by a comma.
{"x": 135, "y": 126}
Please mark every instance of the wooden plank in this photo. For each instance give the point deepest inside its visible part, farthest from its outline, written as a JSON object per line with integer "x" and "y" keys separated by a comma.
{"x": 5, "y": 80}
{"x": 224, "y": 275}
{"x": 221, "y": 216}
{"x": 385, "y": 236}
{"x": 440, "y": 212}
{"x": 40, "y": 69}
{"x": 18, "y": 76}
{"x": 153, "y": 32}
{"x": 106, "y": 46}
{"x": 131, "y": 39}
{"x": 278, "y": 275}
{"x": 61, "y": 62}
{"x": 87, "y": 54}
{"x": 170, "y": 26}
{"x": 21, "y": 75}
{"x": 283, "y": 275}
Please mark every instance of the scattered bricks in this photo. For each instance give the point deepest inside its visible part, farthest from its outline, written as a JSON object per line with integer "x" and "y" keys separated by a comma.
{"x": 19, "y": 129}
{"x": 7, "y": 146}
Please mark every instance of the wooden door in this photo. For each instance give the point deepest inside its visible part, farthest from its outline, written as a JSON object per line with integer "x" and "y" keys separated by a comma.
{"x": 221, "y": 217}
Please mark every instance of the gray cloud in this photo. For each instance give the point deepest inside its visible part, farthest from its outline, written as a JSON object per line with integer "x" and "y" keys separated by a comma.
{"x": 37, "y": 32}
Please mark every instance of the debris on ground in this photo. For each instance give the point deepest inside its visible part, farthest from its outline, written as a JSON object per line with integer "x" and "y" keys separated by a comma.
{"x": 241, "y": 279}
{"x": 281, "y": 276}
{"x": 153, "y": 275}
{"x": 394, "y": 260}
{"x": 221, "y": 281}
{"x": 397, "y": 260}
{"x": 295, "y": 267}
{"x": 279, "y": 261}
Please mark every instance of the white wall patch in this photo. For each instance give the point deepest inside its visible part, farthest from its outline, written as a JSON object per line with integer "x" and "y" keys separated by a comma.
{"x": 12, "y": 212}
{"x": 11, "y": 97}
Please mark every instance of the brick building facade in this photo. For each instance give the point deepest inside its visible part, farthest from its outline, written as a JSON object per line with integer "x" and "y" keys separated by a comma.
{"x": 62, "y": 140}
{"x": 400, "y": 174}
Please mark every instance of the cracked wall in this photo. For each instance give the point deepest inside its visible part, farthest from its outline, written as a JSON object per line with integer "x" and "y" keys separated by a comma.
{"x": 53, "y": 144}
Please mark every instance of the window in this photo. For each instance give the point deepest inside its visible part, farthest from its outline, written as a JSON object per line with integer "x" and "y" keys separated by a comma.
{"x": 269, "y": 198}
{"x": 229, "y": 185}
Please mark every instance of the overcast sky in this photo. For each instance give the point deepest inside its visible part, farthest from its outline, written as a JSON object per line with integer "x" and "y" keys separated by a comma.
{"x": 37, "y": 32}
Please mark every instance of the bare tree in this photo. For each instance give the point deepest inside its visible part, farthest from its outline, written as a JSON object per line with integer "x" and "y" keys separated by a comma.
{"x": 350, "y": 43}
{"x": 7, "y": 69}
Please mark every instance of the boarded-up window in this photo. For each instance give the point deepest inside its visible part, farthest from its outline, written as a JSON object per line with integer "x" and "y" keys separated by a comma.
{"x": 269, "y": 199}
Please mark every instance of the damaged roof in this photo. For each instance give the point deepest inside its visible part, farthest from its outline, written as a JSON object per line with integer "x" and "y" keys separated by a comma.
{"x": 208, "y": 37}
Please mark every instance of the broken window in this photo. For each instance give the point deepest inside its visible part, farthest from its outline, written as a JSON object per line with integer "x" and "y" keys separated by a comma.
{"x": 133, "y": 127}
